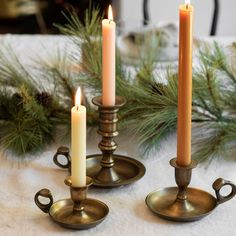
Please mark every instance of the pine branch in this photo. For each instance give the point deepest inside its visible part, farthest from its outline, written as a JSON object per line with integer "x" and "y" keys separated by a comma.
{"x": 32, "y": 113}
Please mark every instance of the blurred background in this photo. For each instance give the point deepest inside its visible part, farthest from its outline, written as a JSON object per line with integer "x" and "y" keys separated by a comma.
{"x": 167, "y": 11}
{"x": 38, "y": 16}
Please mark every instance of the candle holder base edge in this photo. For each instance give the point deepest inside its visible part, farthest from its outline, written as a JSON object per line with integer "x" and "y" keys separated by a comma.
{"x": 125, "y": 170}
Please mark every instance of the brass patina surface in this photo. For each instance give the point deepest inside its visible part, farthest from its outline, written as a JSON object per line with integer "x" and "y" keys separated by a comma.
{"x": 125, "y": 171}
{"x": 183, "y": 203}
{"x": 79, "y": 212}
{"x": 107, "y": 169}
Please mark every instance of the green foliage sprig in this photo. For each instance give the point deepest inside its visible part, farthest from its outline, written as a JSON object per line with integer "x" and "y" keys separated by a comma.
{"x": 30, "y": 113}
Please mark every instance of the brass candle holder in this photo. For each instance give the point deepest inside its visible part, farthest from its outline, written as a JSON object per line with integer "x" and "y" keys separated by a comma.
{"x": 183, "y": 203}
{"x": 79, "y": 212}
{"x": 107, "y": 169}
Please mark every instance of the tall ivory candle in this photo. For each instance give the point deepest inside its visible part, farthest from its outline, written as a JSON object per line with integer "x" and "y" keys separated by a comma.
{"x": 78, "y": 142}
{"x": 185, "y": 85}
{"x": 108, "y": 60}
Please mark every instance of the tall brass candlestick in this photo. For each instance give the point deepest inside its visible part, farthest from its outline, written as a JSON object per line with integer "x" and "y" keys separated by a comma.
{"x": 107, "y": 169}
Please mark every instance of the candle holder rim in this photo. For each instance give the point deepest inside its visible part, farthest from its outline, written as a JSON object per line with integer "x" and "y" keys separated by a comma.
{"x": 120, "y": 101}
{"x": 192, "y": 165}
{"x": 89, "y": 182}
{"x": 62, "y": 204}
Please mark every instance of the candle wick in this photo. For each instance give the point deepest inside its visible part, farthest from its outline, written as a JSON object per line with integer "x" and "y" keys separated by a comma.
{"x": 187, "y": 6}
{"x": 77, "y": 108}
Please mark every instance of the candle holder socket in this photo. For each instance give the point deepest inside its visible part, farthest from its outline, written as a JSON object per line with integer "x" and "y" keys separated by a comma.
{"x": 183, "y": 203}
{"x": 78, "y": 212}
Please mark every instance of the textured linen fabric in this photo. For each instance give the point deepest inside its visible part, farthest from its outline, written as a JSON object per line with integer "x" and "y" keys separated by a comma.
{"x": 128, "y": 214}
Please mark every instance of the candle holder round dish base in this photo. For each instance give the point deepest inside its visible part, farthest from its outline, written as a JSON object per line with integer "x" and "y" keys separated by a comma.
{"x": 125, "y": 171}
{"x": 79, "y": 212}
{"x": 186, "y": 204}
{"x": 61, "y": 212}
{"x": 163, "y": 202}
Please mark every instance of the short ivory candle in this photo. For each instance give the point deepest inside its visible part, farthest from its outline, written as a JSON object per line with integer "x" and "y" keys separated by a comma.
{"x": 185, "y": 85}
{"x": 78, "y": 142}
{"x": 108, "y": 60}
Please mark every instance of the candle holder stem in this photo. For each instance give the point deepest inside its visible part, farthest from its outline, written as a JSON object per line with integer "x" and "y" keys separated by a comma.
{"x": 109, "y": 169}
{"x": 182, "y": 178}
{"x": 78, "y": 195}
{"x": 108, "y": 130}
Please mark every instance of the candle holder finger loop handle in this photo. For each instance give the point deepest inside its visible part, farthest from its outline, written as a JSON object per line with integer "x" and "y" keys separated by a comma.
{"x": 218, "y": 185}
{"x": 46, "y": 194}
{"x": 62, "y": 151}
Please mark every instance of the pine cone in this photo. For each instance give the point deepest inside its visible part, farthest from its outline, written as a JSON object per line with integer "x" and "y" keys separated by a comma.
{"x": 17, "y": 98}
{"x": 44, "y": 99}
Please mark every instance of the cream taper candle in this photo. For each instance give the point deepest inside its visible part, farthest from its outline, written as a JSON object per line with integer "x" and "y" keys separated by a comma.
{"x": 78, "y": 143}
{"x": 108, "y": 60}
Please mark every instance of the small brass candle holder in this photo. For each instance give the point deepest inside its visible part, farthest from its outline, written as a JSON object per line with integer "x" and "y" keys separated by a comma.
{"x": 107, "y": 169}
{"x": 79, "y": 212}
{"x": 183, "y": 203}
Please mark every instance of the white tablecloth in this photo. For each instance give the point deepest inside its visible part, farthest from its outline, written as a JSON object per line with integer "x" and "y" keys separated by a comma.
{"x": 128, "y": 213}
